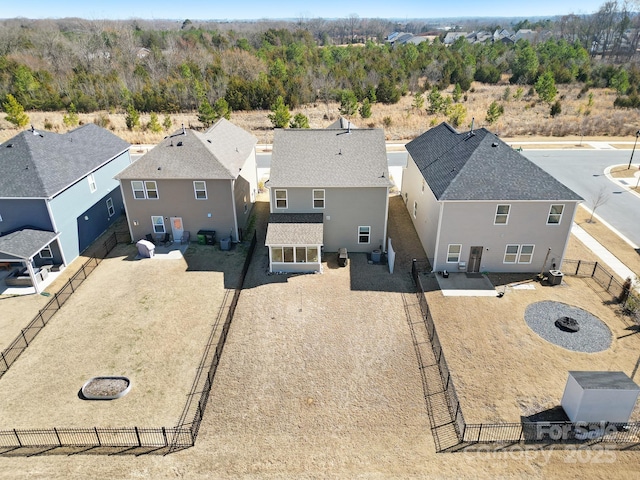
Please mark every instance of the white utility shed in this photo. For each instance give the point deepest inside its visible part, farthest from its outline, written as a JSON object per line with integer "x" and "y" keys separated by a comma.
{"x": 599, "y": 396}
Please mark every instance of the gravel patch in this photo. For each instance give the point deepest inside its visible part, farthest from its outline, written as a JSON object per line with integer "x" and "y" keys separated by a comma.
{"x": 593, "y": 336}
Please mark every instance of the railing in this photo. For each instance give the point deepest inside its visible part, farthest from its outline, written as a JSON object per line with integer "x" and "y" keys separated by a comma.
{"x": 535, "y": 435}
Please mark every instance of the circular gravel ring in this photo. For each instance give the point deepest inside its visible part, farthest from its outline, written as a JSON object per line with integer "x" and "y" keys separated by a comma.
{"x": 593, "y": 336}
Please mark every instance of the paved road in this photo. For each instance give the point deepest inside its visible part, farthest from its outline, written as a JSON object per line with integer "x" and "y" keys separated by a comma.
{"x": 583, "y": 172}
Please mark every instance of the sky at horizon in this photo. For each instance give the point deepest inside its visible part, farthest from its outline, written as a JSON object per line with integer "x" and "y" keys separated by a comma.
{"x": 290, "y": 9}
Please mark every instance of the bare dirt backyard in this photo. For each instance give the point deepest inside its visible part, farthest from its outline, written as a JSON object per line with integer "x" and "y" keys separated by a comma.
{"x": 319, "y": 376}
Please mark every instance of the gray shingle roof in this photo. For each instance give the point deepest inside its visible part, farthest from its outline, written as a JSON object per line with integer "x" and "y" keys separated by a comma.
{"x": 217, "y": 154}
{"x": 604, "y": 379}
{"x": 40, "y": 164}
{"x": 329, "y": 158}
{"x": 25, "y": 243}
{"x": 479, "y": 166}
{"x": 295, "y": 229}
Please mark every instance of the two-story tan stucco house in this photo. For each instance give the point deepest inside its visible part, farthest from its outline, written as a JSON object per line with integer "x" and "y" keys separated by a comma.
{"x": 480, "y": 206}
{"x": 328, "y": 189}
{"x": 193, "y": 181}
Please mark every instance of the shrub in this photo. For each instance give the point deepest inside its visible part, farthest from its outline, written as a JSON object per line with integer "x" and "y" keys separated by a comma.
{"x": 386, "y": 121}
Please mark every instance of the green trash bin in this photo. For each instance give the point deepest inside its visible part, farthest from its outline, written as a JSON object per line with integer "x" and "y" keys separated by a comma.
{"x": 202, "y": 238}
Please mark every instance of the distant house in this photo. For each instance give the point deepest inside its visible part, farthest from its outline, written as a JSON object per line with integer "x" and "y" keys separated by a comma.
{"x": 451, "y": 37}
{"x": 57, "y": 193}
{"x": 478, "y": 205}
{"x": 328, "y": 189}
{"x": 193, "y": 181}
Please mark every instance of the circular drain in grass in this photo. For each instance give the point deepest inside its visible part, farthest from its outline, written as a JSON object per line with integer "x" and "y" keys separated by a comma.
{"x": 592, "y": 336}
{"x": 106, "y": 388}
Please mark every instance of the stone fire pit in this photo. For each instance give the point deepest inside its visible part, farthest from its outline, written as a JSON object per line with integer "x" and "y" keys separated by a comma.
{"x": 567, "y": 324}
{"x": 106, "y": 388}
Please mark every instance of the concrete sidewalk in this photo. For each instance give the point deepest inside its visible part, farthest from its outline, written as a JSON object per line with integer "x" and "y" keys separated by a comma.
{"x": 605, "y": 255}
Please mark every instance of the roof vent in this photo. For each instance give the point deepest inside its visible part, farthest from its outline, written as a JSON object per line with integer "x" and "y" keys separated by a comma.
{"x": 179, "y": 144}
{"x": 494, "y": 144}
{"x": 10, "y": 145}
{"x": 208, "y": 140}
{"x": 340, "y": 152}
{"x": 184, "y": 132}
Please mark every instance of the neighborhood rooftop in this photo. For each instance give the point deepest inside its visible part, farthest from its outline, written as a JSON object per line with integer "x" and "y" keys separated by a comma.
{"x": 329, "y": 158}
{"x": 40, "y": 164}
{"x": 218, "y": 153}
{"x": 477, "y": 165}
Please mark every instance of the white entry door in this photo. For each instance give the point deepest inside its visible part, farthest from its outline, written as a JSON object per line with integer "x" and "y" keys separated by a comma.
{"x": 176, "y": 228}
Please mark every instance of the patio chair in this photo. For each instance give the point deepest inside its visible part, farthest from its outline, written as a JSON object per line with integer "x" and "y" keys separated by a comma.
{"x": 186, "y": 237}
{"x": 149, "y": 237}
{"x": 167, "y": 239}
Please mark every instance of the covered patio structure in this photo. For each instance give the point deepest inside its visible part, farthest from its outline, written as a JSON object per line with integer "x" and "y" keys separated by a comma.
{"x": 29, "y": 255}
{"x": 294, "y": 241}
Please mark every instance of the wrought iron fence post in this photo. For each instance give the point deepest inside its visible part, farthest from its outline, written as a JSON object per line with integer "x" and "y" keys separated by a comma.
{"x": 138, "y": 436}
{"x": 595, "y": 267}
{"x": 15, "y": 432}
{"x": 95, "y": 429}
{"x": 55, "y": 430}
{"x": 578, "y": 267}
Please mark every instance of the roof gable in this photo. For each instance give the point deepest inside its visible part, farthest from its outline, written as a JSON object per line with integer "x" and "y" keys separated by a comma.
{"x": 477, "y": 165}
{"x": 38, "y": 164}
{"x": 329, "y": 158}
{"x": 219, "y": 154}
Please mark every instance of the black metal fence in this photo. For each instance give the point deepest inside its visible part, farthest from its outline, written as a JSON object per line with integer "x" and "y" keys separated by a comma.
{"x": 629, "y": 301}
{"x": 162, "y": 439}
{"x": 535, "y": 435}
{"x": 194, "y": 410}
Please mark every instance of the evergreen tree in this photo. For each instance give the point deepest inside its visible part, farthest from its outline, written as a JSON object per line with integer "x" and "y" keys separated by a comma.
{"x": 71, "y": 119}
{"x": 206, "y": 113}
{"x": 132, "y": 117}
{"x": 15, "y": 112}
{"x": 280, "y": 115}
{"x": 222, "y": 109}
{"x": 300, "y": 120}
{"x": 494, "y": 112}
{"x": 457, "y": 114}
{"x": 348, "y": 103}
{"x": 546, "y": 87}
{"x": 154, "y": 124}
{"x": 167, "y": 123}
{"x": 418, "y": 101}
{"x": 457, "y": 93}
{"x": 365, "y": 109}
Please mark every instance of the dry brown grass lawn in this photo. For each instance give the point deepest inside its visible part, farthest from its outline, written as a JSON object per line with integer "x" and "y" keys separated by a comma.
{"x": 523, "y": 118}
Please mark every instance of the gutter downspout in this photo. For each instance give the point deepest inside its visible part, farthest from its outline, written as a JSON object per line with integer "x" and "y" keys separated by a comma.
{"x": 386, "y": 220}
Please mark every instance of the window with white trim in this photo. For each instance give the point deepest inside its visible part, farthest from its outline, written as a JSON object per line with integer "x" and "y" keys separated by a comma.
{"x": 151, "y": 188}
{"x": 110, "y": 209}
{"x": 92, "y": 183}
{"x": 158, "y": 224}
{"x": 294, "y": 255}
{"x": 0, "y": 218}
{"x": 46, "y": 252}
{"x": 518, "y": 253}
{"x": 555, "y": 214}
{"x": 144, "y": 189}
{"x": 200, "y": 189}
{"x": 281, "y": 198}
{"x": 453, "y": 252}
{"x": 318, "y": 199}
{"x": 502, "y": 215}
{"x": 364, "y": 234}
{"x": 415, "y": 209}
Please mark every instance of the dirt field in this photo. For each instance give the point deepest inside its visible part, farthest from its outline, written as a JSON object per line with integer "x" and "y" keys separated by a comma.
{"x": 319, "y": 379}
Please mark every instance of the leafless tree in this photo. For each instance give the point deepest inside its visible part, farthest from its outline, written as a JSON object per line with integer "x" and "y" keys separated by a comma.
{"x": 598, "y": 199}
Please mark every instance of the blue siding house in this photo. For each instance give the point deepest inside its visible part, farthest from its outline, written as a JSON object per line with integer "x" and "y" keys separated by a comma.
{"x": 61, "y": 184}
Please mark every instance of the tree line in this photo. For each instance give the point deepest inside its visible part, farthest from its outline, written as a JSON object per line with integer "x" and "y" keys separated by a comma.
{"x": 214, "y": 68}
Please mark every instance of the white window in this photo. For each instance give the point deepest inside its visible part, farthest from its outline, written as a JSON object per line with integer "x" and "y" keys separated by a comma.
{"x": 502, "y": 215}
{"x": 555, "y": 214}
{"x": 146, "y": 189}
{"x": 0, "y": 218}
{"x": 276, "y": 254}
{"x": 200, "y": 188}
{"x": 318, "y": 199}
{"x": 46, "y": 252}
{"x": 138, "y": 189}
{"x": 110, "y": 209}
{"x": 151, "y": 188}
{"x": 294, "y": 254}
{"x": 158, "y": 224}
{"x": 511, "y": 254}
{"x": 518, "y": 254}
{"x": 453, "y": 253}
{"x": 415, "y": 209}
{"x": 526, "y": 254}
{"x": 92, "y": 183}
{"x": 364, "y": 234}
{"x": 288, "y": 254}
{"x": 281, "y": 198}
